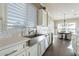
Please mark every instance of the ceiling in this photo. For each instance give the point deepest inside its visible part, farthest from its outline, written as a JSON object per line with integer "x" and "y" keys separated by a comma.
{"x": 63, "y": 10}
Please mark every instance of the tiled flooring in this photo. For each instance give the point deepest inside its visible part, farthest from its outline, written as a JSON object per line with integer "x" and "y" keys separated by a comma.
{"x": 60, "y": 48}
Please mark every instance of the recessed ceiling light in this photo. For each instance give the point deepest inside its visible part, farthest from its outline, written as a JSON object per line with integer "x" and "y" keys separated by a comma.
{"x": 72, "y": 10}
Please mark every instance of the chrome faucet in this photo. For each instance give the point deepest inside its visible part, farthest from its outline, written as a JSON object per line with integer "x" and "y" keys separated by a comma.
{"x": 30, "y": 31}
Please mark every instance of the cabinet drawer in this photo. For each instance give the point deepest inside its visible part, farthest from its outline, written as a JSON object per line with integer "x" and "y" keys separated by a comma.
{"x": 21, "y": 46}
{"x": 21, "y": 54}
{"x": 12, "y": 50}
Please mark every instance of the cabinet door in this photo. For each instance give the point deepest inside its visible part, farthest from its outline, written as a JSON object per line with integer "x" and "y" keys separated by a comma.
{"x": 21, "y": 54}
{"x": 46, "y": 43}
{"x": 39, "y": 49}
{"x": 32, "y": 51}
{"x": 42, "y": 46}
{"x": 42, "y": 17}
{"x": 50, "y": 41}
{"x": 74, "y": 44}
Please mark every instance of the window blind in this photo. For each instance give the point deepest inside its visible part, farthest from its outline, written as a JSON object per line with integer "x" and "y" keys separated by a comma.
{"x": 16, "y": 15}
{"x": 32, "y": 15}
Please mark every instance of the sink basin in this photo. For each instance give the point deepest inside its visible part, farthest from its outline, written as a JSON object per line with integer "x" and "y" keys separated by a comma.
{"x": 32, "y": 36}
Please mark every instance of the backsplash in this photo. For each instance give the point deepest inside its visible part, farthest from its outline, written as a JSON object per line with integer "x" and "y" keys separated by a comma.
{"x": 42, "y": 30}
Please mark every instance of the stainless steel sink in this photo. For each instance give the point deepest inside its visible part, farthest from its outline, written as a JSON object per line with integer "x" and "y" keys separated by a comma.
{"x": 35, "y": 39}
{"x": 33, "y": 36}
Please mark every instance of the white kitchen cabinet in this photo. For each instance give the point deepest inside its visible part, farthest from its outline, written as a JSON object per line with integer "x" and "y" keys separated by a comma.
{"x": 42, "y": 43}
{"x": 76, "y": 47}
{"x": 46, "y": 43}
{"x": 21, "y": 54}
{"x": 42, "y": 17}
{"x": 74, "y": 43}
{"x": 32, "y": 51}
{"x": 51, "y": 38}
{"x": 22, "y": 49}
{"x": 41, "y": 48}
{"x": 48, "y": 40}
{"x": 13, "y": 50}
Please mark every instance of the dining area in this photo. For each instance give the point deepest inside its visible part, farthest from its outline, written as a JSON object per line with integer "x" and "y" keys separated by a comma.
{"x": 64, "y": 35}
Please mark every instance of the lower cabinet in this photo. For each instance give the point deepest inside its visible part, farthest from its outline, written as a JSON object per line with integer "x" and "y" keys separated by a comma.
{"x": 36, "y": 50}
{"x": 46, "y": 41}
{"x": 77, "y": 47}
{"x": 41, "y": 48}
{"x": 32, "y": 51}
{"x": 21, "y": 54}
{"x": 22, "y": 49}
{"x": 50, "y": 41}
{"x": 74, "y": 43}
{"x": 13, "y": 50}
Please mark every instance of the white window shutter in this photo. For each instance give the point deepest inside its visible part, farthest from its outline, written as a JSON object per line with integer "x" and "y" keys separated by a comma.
{"x": 16, "y": 15}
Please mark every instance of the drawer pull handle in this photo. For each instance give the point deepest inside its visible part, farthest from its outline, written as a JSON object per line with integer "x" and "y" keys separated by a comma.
{"x": 11, "y": 52}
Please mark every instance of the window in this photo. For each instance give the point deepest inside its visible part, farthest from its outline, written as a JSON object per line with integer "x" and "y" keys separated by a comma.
{"x": 69, "y": 27}
{"x": 32, "y": 15}
{"x": 16, "y": 15}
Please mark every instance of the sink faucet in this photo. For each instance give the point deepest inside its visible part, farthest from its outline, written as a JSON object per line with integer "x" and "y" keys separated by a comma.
{"x": 30, "y": 31}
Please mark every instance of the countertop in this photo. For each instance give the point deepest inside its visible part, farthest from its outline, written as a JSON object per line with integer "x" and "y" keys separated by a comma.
{"x": 7, "y": 42}
{"x": 63, "y": 32}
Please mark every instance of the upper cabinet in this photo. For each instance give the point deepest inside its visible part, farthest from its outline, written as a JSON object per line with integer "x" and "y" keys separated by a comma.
{"x": 42, "y": 17}
{"x": 50, "y": 24}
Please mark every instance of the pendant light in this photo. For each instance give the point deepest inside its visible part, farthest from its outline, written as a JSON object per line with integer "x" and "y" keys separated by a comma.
{"x": 64, "y": 23}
